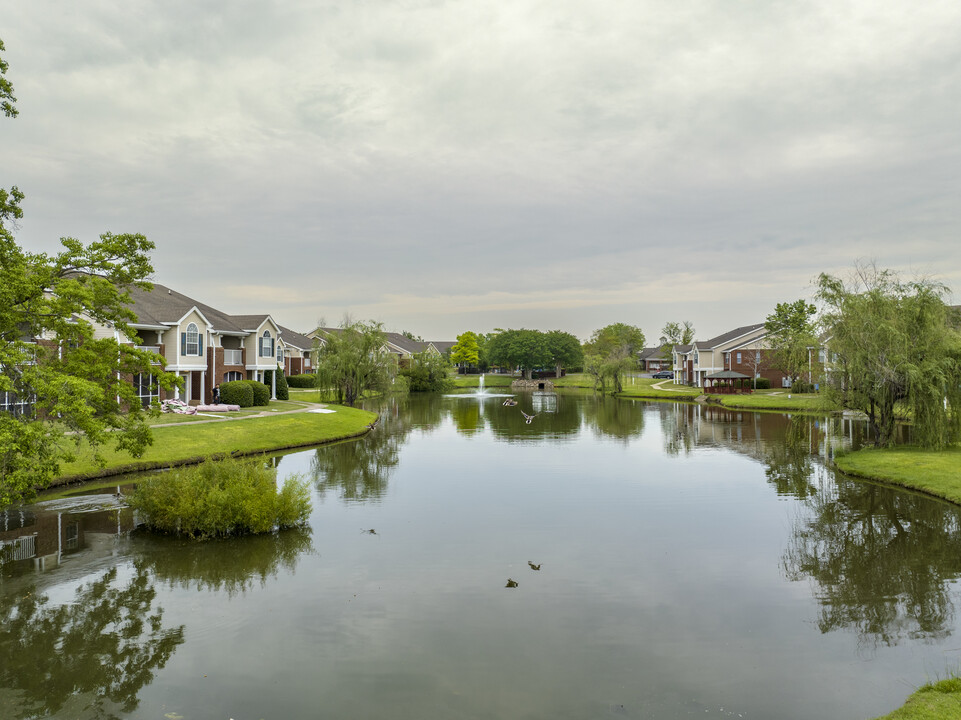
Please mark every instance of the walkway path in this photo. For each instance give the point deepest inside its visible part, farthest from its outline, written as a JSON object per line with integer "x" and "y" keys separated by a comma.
{"x": 227, "y": 417}
{"x": 660, "y": 386}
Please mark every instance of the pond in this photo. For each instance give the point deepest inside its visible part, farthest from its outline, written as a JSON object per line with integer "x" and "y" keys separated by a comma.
{"x": 608, "y": 558}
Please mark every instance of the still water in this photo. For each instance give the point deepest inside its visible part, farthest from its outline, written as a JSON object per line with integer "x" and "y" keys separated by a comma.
{"x": 611, "y": 558}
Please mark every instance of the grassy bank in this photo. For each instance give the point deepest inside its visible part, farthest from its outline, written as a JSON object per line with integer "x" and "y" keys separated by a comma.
{"x": 645, "y": 388}
{"x": 789, "y": 402}
{"x": 188, "y": 443}
{"x": 490, "y": 380}
{"x": 936, "y": 701}
{"x": 934, "y": 472}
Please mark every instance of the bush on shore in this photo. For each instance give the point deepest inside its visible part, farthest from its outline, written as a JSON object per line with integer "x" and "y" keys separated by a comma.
{"x": 305, "y": 380}
{"x": 221, "y": 497}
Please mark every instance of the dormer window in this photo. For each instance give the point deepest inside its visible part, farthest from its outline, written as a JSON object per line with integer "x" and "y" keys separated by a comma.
{"x": 266, "y": 349}
{"x": 280, "y": 354}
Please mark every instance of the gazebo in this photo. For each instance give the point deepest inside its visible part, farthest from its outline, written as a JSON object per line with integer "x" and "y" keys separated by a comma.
{"x": 723, "y": 382}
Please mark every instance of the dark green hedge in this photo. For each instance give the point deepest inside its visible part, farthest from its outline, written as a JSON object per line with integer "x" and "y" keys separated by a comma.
{"x": 762, "y": 384}
{"x": 237, "y": 392}
{"x": 307, "y": 380}
{"x": 261, "y": 392}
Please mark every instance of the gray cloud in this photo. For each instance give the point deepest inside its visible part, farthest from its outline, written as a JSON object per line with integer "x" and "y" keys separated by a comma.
{"x": 444, "y": 165}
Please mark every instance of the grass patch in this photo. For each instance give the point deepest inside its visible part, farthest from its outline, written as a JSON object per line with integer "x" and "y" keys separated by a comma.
{"x": 573, "y": 380}
{"x": 190, "y": 443}
{"x": 490, "y": 380}
{"x": 218, "y": 498}
{"x": 931, "y": 471}
{"x": 935, "y": 701}
{"x": 644, "y": 388}
{"x": 767, "y": 401}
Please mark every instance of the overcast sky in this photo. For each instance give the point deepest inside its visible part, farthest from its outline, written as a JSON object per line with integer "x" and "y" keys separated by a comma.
{"x": 442, "y": 166}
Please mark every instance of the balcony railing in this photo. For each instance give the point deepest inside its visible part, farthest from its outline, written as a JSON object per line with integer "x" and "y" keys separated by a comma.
{"x": 233, "y": 357}
{"x": 150, "y": 348}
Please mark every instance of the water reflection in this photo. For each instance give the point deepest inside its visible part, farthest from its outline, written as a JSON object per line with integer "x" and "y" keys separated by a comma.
{"x": 93, "y": 655}
{"x": 231, "y": 565}
{"x": 881, "y": 560}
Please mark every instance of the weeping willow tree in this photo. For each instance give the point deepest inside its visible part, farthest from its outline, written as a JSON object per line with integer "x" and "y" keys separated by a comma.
{"x": 353, "y": 360}
{"x": 895, "y": 349}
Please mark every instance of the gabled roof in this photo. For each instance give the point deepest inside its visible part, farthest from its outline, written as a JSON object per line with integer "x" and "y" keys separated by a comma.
{"x": 727, "y": 337}
{"x": 165, "y": 306}
{"x": 250, "y": 323}
{"x": 404, "y": 343}
{"x": 295, "y": 339}
{"x": 654, "y": 352}
{"x": 442, "y": 346}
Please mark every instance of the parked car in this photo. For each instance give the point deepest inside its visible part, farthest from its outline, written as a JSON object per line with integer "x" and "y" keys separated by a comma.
{"x": 664, "y": 374}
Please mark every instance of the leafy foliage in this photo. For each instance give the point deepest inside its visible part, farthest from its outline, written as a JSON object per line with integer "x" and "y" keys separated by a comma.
{"x": 237, "y": 392}
{"x": 304, "y": 380}
{"x": 610, "y": 353}
{"x": 565, "y": 350}
{"x": 526, "y": 349}
{"x": 466, "y": 350}
{"x": 427, "y": 372}
{"x": 792, "y": 336}
{"x": 895, "y": 345}
{"x": 353, "y": 361}
{"x": 676, "y": 334}
{"x": 225, "y": 497}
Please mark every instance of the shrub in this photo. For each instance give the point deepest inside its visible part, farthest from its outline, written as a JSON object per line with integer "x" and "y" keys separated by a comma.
{"x": 799, "y": 386}
{"x": 261, "y": 392}
{"x": 307, "y": 380}
{"x": 221, "y": 497}
{"x": 282, "y": 391}
{"x": 237, "y": 392}
{"x": 762, "y": 383}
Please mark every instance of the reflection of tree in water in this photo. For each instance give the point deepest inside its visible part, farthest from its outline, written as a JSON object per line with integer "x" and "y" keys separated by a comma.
{"x": 882, "y": 560}
{"x": 507, "y": 423}
{"x": 231, "y": 565}
{"x": 97, "y": 652}
{"x": 788, "y": 455}
{"x": 360, "y": 469}
{"x": 468, "y": 416}
{"x": 619, "y": 419}
{"x": 678, "y": 427}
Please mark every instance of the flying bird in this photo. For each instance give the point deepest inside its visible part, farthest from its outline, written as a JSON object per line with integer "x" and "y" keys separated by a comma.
{"x": 533, "y": 566}
{"x": 528, "y": 418}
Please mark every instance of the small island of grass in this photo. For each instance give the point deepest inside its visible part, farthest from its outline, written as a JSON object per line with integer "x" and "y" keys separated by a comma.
{"x": 936, "y": 472}
{"x": 219, "y": 498}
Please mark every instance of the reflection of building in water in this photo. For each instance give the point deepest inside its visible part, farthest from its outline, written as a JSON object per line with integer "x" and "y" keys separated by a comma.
{"x": 41, "y": 535}
{"x": 544, "y": 402}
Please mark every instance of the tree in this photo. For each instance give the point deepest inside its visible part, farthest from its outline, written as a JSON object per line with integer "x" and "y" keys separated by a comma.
{"x": 7, "y": 100}
{"x": 791, "y": 335}
{"x": 353, "y": 361}
{"x": 897, "y": 350}
{"x": 676, "y": 334}
{"x": 565, "y": 350}
{"x": 466, "y": 351}
{"x": 70, "y": 374}
{"x": 427, "y": 372}
{"x": 526, "y": 349}
{"x": 611, "y": 352}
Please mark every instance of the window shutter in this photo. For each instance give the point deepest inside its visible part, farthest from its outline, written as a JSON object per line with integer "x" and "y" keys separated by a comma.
{"x": 183, "y": 343}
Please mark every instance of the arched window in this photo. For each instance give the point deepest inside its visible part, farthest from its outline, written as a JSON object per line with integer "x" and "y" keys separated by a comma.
{"x": 192, "y": 344}
{"x": 266, "y": 345}
{"x": 232, "y": 375}
{"x": 280, "y": 354}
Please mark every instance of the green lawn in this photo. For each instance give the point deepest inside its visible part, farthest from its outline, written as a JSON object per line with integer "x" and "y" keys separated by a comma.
{"x": 934, "y": 472}
{"x": 490, "y": 380}
{"x": 644, "y": 388}
{"x": 775, "y": 401}
{"x": 184, "y": 443}
{"x": 937, "y": 701}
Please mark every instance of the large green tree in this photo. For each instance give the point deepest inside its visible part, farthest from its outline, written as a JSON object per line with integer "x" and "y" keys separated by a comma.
{"x": 466, "y": 351}
{"x": 611, "y": 353}
{"x": 675, "y": 334}
{"x": 526, "y": 349}
{"x": 353, "y": 360}
{"x": 897, "y": 351}
{"x": 73, "y": 380}
{"x": 792, "y": 336}
{"x": 565, "y": 350}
